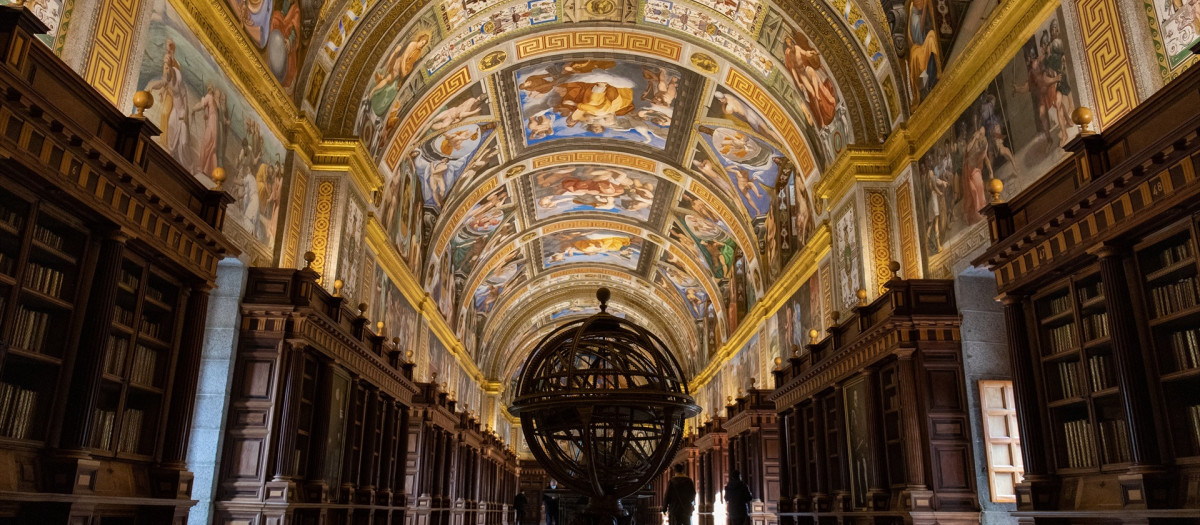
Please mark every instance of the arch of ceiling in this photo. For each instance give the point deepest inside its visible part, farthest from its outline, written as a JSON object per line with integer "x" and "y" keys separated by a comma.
{"x": 509, "y": 342}
{"x": 648, "y": 298}
{"x": 492, "y": 250}
{"x": 843, "y": 37}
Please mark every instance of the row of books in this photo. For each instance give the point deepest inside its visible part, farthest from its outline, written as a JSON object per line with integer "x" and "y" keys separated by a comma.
{"x": 1100, "y": 372}
{"x": 1068, "y": 377}
{"x": 10, "y": 217}
{"x": 129, "y": 280}
{"x": 1095, "y": 326}
{"x": 1174, "y": 254}
{"x": 131, "y": 430}
{"x": 123, "y": 316}
{"x": 1059, "y": 305}
{"x": 6, "y": 263}
{"x": 151, "y": 328}
{"x": 44, "y": 279}
{"x": 17, "y": 408}
{"x": 1114, "y": 441}
{"x": 47, "y": 237}
{"x": 1186, "y": 346}
{"x": 114, "y": 355}
{"x": 154, "y": 293}
{"x": 103, "y": 423}
{"x": 29, "y": 329}
{"x": 1081, "y": 446}
{"x": 1062, "y": 338}
{"x": 1174, "y": 297}
{"x": 1089, "y": 292}
{"x": 144, "y": 366}
{"x": 1194, "y": 416}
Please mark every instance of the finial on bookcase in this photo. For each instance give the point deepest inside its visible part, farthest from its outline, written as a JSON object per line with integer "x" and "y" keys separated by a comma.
{"x": 142, "y": 100}
{"x": 996, "y": 187}
{"x": 408, "y": 356}
{"x": 362, "y": 309}
{"x": 778, "y": 362}
{"x": 862, "y": 296}
{"x": 379, "y": 328}
{"x": 309, "y": 257}
{"x": 835, "y": 315}
{"x": 1082, "y": 117}
{"x": 338, "y": 284}
{"x": 218, "y": 177}
{"x": 814, "y": 335}
{"x": 753, "y": 382}
{"x": 894, "y": 267}
{"x": 728, "y": 400}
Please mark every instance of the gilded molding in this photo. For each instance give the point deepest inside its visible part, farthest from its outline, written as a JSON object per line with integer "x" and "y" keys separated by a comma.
{"x": 795, "y": 275}
{"x": 377, "y": 239}
{"x": 349, "y": 156}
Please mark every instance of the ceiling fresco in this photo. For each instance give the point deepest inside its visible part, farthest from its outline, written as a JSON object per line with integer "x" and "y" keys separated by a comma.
{"x": 533, "y": 148}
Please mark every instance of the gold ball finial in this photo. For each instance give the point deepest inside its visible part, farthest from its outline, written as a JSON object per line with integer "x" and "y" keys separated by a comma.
{"x": 379, "y": 327}
{"x": 338, "y": 284}
{"x": 1082, "y": 117}
{"x": 778, "y": 362}
{"x": 218, "y": 176}
{"x": 362, "y": 309}
{"x": 813, "y": 335}
{"x": 995, "y": 187}
{"x": 396, "y": 341}
{"x": 835, "y": 316}
{"x": 729, "y": 399}
{"x": 894, "y": 267}
{"x": 408, "y": 356}
{"x": 862, "y": 296}
{"x": 309, "y": 257}
{"x": 142, "y": 100}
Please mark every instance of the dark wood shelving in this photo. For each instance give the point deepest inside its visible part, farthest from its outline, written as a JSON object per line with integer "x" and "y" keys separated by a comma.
{"x": 93, "y": 446}
{"x": 1121, "y": 217}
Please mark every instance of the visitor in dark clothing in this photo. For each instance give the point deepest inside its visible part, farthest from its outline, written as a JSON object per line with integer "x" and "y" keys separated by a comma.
{"x": 551, "y": 503}
{"x": 519, "y": 503}
{"x": 737, "y": 500}
{"x": 681, "y": 495}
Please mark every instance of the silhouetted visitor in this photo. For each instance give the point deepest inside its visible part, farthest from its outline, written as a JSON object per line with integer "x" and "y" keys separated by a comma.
{"x": 737, "y": 499}
{"x": 551, "y": 504}
{"x": 681, "y": 495}
{"x": 519, "y": 503}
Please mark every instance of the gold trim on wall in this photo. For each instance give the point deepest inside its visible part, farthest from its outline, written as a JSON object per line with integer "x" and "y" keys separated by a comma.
{"x": 111, "y": 51}
{"x": 908, "y": 235}
{"x": 322, "y": 222}
{"x": 881, "y": 237}
{"x": 1108, "y": 59}
{"x": 796, "y": 274}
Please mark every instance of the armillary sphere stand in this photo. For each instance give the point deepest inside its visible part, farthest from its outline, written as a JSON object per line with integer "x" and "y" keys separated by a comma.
{"x": 602, "y": 404}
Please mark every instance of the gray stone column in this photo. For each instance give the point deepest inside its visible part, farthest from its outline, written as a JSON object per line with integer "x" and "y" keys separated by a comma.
{"x": 212, "y": 392}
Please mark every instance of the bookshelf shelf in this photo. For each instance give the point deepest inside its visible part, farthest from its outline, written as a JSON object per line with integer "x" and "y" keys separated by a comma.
{"x": 1102, "y": 342}
{"x": 53, "y": 253}
{"x": 1181, "y": 375}
{"x": 1185, "y": 318}
{"x": 1069, "y": 402}
{"x": 1059, "y": 319}
{"x": 34, "y": 297}
{"x": 34, "y": 356}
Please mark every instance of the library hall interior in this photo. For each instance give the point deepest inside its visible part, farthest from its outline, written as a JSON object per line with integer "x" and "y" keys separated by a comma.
{"x": 600, "y": 262}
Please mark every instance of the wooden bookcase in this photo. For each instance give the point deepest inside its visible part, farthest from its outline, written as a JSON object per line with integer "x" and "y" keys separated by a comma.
{"x": 107, "y": 251}
{"x": 879, "y": 406}
{"x": 1098, "y": 271}
{"x": 43, "y": 254}
{"x": 1168, "y": 267}
{"x": 339, "y": 432}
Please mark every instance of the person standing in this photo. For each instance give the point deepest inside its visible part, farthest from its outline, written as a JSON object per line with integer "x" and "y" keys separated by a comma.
{"x": 519, "y": 503}
{"x": 551, "y": 503}
{"x": 737, "y": 500}
{"x": 680, "y": 497}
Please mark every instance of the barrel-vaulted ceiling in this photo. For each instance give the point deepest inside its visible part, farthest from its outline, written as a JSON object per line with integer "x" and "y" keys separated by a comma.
{"x": 534, "y": 150}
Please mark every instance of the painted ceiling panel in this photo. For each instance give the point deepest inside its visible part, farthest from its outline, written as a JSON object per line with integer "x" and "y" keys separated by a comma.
{"x": 662, "y": 148}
